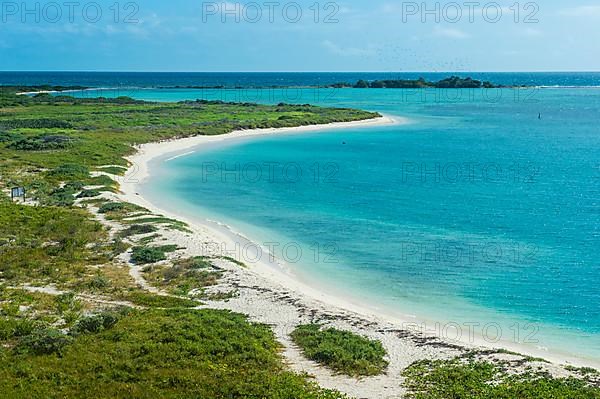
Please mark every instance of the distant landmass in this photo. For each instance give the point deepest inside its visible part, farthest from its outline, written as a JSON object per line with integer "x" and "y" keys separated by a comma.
{"x": 453, "y": 82}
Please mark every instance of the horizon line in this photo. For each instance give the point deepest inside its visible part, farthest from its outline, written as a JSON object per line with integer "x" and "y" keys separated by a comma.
{"x": 257, "y": 72}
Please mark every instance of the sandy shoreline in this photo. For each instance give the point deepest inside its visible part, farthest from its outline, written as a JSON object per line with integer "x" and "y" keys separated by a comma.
{"x": 269, "y": 294}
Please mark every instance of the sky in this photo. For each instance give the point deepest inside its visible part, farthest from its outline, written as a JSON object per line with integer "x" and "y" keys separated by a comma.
{"x": 348, "y": 35}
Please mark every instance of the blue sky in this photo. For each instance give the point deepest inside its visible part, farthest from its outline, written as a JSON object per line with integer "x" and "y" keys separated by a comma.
{"x": 178, "y": 35}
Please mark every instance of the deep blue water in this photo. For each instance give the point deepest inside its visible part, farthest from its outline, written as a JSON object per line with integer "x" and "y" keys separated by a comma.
{"x": 240, "y": 79}
{"x": 485, "y": 208}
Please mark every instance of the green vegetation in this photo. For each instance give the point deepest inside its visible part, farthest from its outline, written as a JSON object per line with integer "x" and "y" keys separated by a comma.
{"x": 167, "y": 222}
{"x": 183, "y": 276}
{"x": 89, "y": 194}
{"x": 44, "y": 341}
{"x": 113, "y": 170}
{"x": 95, "y": 323}
{"x": 119, "y": 210}
{"x": 342, "y": 351}
{"x": 137, "y": 229}
{"x": 142, "y": 298}
{"x": 47, "y": 140}
{"x": 145, "y": 255}
{"x": 64, "y": 342}
{"x": 48, "y": 245}
{"x": 480, "y": 380}
{"x": 160, "y": 354}
{"x": 453, "y": 82}
{"x": 41, "y": 143}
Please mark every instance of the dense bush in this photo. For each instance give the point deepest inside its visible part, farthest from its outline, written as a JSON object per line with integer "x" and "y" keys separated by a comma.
{"x": 12, "y": 327}
{"x": 43, "y": 342}
{"x": 111, "y": 207}
{"x": 95, "y": 323}
{"x": 145, "y": 255}
{"x": 74, "y": 185}
{"x": 88, "y": 194}
{"x": 70, "y": 171}
{"x": 120, "y": 210}
{"x": 196, "y": 262}
{"x": 42, "y": 143}
{"x": 137, "y": 229}
{"x": 60, "y": 197}
{"x": 9, "y": 137}
{"x": 41, "y": 123}
{"x": 343, "y": 351}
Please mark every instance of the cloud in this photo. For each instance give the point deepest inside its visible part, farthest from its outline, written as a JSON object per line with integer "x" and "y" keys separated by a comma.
{"x": 449, "y": 33}
{"x": 346, "y": 51}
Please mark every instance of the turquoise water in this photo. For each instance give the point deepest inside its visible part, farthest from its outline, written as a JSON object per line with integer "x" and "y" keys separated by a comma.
{"x": 268, "y": 79}
{"x": 477, "y": 211}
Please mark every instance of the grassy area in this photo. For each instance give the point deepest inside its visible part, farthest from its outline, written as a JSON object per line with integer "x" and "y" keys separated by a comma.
{"x": 480, "y": 380}
{"x": 74, "y": 339}
{"x": 45, "y": 245}
{"x": 145, "y": 299}
{"x": 154, "y": 354}
{"x": 93, "y": 134}
{"x": 47, "y": 140}
{"x": 342, "y": 351}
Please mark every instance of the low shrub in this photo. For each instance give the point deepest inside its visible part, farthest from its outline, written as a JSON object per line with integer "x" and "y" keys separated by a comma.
{"x": 60, "y": 197}
{"x": 88, "y": 194}
{"x": 119, "y": 210}
{"x": 138, "y": 229}
{"x": 42, "y": 143}
{"x": 12, "y": 328}
{"x": 70, "y": 171}
{"x": 43, "y": 342}
{"x": 196, "y": 262}
{"x": 95, "y": 323}
{"x": 111, "y": 207}
{"x": 99, "y": 282}
{"x": 41, "y": 123}
{"x": 155, "y": 353}
{"x": 481, "y": 380}
{"x": 145, "y": 255}
{"x": 342, "y": 351}
{"x": 74, "y": 186}
{"x": 10, "y": 137}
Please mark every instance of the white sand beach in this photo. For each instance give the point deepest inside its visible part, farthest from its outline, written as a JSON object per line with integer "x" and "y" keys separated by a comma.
{"x": 270, "y": 294}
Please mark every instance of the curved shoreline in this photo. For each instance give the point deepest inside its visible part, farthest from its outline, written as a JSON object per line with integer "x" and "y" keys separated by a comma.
{"x": 273, "y": 270}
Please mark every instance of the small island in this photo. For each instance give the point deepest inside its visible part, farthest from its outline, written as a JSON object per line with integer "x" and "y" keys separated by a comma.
{"x": 453, "y": 82}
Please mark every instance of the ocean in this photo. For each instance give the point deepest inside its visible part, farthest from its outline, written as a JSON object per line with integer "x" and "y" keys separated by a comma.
{"x": 481, "y": 213}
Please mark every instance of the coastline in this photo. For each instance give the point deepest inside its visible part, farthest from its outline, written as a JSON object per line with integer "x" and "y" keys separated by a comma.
{"x": 266, "y": 288}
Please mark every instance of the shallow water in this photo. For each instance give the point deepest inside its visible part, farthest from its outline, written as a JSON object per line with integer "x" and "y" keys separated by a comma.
{"x": 484, "y": 211}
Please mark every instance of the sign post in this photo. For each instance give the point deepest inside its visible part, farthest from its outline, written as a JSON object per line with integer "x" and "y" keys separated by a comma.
{"x": 17, "y": 192}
